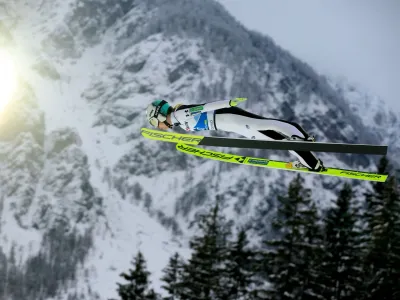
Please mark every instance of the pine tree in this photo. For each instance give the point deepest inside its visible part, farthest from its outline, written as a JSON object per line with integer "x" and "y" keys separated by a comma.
{"x": 173, "y": 277}
{"x": 137, "y": 287}
{"x": 375, "y": 197}
{"x": 261, "y": 287}
{"x": 313, "y": 251}
{"x": 382, "y": 263}
{"x": 238, "y": 274}
{"x": 204, "y": 269}
{"x": 374, "y": 201}
{"x": 342, "y": 263}
{"x": 291, "y": 258}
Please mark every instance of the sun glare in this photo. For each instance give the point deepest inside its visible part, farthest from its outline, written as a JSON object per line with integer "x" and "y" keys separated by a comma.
{"x": 8, "y": 78}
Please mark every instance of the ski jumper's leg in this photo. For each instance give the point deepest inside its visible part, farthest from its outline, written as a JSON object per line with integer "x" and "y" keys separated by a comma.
{"x": 250, "y": 125}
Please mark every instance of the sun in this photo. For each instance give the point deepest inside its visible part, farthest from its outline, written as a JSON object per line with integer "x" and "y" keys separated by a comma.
{"x": 8, "y": 78}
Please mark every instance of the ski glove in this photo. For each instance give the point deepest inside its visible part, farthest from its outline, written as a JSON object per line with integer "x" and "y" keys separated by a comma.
{"x": 236, "y": 101}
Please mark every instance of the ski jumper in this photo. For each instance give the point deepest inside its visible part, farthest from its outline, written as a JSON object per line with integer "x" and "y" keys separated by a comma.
{"x": 219, "y": 115}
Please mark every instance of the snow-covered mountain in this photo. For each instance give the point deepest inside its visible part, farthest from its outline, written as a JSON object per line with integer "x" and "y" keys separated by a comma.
{"x": 82, "y": 191}
{"x": 380, "y": 118}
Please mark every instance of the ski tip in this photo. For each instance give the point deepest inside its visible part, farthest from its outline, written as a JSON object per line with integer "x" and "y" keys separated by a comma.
{"x": 172, "y": 137}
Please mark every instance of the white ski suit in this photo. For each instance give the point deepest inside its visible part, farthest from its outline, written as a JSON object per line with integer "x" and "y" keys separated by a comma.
{"x": 220, "y": 115}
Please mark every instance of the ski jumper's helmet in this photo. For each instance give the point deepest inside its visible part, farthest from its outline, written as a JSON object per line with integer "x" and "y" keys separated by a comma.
{"x": 157, "y": 112}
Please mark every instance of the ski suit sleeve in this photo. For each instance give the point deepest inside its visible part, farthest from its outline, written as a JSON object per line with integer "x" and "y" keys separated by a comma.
{"x": 182, "y": 112}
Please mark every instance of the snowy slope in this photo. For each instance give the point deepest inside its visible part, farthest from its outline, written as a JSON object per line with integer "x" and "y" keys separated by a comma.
{"x": 76, "y": 170}
{"x": 376, "y": 114}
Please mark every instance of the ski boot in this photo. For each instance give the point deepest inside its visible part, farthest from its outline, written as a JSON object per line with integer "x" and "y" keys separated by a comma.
{"x": 319, "y": 167}
{"x": 298, "y": 165}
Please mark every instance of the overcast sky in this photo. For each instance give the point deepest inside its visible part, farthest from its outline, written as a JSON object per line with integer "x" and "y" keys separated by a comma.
{"x": 358, "y": 39}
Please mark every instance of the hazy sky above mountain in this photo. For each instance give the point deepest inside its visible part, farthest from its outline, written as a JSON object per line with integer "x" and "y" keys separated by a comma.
{"x": 358, "y": 39}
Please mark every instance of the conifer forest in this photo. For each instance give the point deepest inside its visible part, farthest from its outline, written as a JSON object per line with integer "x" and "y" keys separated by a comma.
{"x": 350, "y": 251}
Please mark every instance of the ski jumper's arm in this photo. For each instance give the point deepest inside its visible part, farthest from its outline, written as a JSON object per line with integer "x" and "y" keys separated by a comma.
{"x": 183, "y": 112}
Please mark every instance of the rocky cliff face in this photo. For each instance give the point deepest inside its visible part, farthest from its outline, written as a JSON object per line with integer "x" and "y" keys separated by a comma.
{"x": 81, "y": 191}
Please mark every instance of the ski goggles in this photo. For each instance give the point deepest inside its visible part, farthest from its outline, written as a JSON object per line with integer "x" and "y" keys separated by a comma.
{"x": 154, "y": 122}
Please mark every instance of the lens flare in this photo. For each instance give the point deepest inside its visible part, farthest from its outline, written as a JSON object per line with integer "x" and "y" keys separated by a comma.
{"x": 8, "y": 78}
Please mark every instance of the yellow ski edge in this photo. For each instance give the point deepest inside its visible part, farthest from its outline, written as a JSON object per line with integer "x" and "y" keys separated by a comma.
{"x": 266, "y": 163}
{"x": 171, "y": 137}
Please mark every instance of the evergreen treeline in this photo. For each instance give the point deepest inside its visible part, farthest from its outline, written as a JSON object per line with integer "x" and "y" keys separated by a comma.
{"x": 349, "y": 252}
